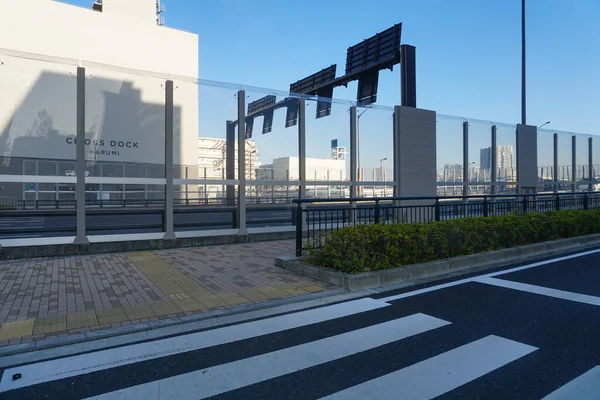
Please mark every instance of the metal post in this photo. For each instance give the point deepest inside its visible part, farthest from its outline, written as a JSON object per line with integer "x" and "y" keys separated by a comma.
{"x": 353, "y": 153}
{"x": 573, "y": 163}
{"x": 81, "y": 237}
{"x": 230, "y": 162}
{"x": 465, "y": 160}
{"x": 241, "y": 139}
{"x": 555, "y": 164}
{"x": 302, "y": 148}
{"x": 494, "y": 168}
{"x": 590, "y": 165}
{"x": 523, "y": 66}
{"x": 169, "y": 224}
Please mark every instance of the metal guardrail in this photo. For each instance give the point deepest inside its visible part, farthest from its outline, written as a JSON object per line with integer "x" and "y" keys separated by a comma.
{"x": 315, "y": 218}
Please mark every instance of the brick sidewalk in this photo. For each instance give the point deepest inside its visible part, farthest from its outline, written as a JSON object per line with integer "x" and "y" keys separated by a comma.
{"x": 48, "y": 298}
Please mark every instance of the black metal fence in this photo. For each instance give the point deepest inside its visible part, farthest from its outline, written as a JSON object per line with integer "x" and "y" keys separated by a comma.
{"x": 315, "y": 218}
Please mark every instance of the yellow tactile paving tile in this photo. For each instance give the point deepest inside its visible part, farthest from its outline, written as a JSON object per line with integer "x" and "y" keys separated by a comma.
{"x": 111, "y": 316}
{"x": 50, "y": 325}
{"x": 82, "y": 320}
{"x": 139, "y": 311}
{"x": 16, "y": 329}
{"x": 171, "y": 281}
{"x": 189, "y": 305}
{"x": 164, "y": 308}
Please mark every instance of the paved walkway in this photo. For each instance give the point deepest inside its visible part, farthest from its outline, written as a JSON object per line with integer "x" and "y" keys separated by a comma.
{"x": 48, "y": 298}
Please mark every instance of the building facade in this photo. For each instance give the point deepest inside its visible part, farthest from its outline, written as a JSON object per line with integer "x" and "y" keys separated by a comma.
{"x": 212, "y": 162}
{"x": 505, "y": 159}
{"x": 122, "y": 47}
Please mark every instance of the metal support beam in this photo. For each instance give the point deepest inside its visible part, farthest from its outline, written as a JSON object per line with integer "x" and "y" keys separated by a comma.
{"x": 408, "y": 76}
{"x": 241, "y": 141}
{"x": 353, "y": 154}
{"x": 494, "y": 168}
{"x": 555, "y": 164}
{"x": 397, "y": 154}
{"x": 81, "y": 237}
{"x": 169, "y": 220}
{"x": 302, "y": 148}
{"x": 230, "y": 162}
{"x": 573, "y": 163}
{"x": 465, "y": 159}
{"x": 590, "y": 164}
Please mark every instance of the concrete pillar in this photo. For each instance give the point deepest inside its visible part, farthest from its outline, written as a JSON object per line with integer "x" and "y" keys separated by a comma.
{"x": 415, "y": 165}
{"x": 527, "y": 170}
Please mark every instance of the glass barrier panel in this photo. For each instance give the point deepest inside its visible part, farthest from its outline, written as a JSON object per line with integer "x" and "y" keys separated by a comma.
{"x": 506, "y": 148}
{"x": 545, "y": 155}
{"x": 480, "y": 162}
{"x": 582, "y": 162}
{"x": 272, "y": 163}
{"x": 449, "y": 155}
{"x": 564, "y": 162}
{"x": 375, "y": 132}
{"x": 596, "y": 162}
{"x": 327, "y": 146}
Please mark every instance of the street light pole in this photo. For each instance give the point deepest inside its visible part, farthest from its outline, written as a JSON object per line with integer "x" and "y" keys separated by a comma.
{"x": 523, "y": 67}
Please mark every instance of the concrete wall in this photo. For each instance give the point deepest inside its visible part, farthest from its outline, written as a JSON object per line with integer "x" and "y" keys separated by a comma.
{"x": 417, "y": 153}
{"x": 124, "y": 111}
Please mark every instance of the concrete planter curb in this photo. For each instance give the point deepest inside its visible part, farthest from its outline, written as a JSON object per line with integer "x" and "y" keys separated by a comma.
{"x": 438, "y": 268}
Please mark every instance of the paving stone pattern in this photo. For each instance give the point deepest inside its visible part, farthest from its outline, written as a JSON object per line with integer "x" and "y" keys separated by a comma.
{"x": 46, "y": 298}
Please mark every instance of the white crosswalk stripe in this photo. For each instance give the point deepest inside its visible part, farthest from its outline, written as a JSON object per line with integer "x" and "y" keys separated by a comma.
{"x": 440, "y": 374}
{"x": 111, "y": 358}
{"x": 235, "y": 375}
{"x": 584, "y": 387}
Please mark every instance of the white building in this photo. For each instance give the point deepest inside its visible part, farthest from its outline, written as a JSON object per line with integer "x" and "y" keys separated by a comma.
{"x": 122, "y": 47}
{"x": 505, "y": 160}
{"x": 211, "y": 164}
{"x": 317, "y": 169}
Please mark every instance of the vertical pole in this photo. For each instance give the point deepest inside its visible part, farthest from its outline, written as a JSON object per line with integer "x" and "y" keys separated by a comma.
{"x": 81, "y": 237}
{"x": 241, "y": 139}
{"x": 573, "y": 163}
{"x": 169, "y": 225}
{"x": 396, "y": 169}
{"x": 353, "y": 153}
{"x": 523, "y": 68}
{"x": 494, "y": 164}
{"x": 353, "y": 161}
{"x": 302, "y": 148}
{"x": 230, "y": 162}
{"x": 465, "y": 160}
{"x": 590, "y": 165}
{"x": 555, "y": 163}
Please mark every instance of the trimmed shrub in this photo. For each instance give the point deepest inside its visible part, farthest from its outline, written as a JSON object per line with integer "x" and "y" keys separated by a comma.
{"x": 364, "y": 248}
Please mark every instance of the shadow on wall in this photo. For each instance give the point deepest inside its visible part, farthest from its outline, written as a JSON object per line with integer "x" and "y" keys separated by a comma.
{"x": 120, "y": 127}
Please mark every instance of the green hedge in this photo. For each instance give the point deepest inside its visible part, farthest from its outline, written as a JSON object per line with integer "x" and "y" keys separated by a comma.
{"x": 366, "y": 248}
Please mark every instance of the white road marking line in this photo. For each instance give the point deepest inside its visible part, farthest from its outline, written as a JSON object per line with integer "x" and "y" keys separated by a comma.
{"x": 541, "y": 290}
{"x": 584, "y": 387}
{"x": 440, "y": 374}
{"x": 234, "y": 375}
{"x": 506, "y": 271}
{"x": 86, "y": 363}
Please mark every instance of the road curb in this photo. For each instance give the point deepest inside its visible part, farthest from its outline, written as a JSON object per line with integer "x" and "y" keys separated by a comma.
{"x": 68, "y": 250}
{"x": 143, "y": 327}
{"x": 439, "y": 268}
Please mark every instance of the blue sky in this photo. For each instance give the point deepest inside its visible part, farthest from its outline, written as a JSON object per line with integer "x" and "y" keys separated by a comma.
{"x": 468, "y": 61}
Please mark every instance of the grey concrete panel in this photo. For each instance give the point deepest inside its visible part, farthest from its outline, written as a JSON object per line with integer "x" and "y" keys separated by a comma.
{"x": 527, "y": 156}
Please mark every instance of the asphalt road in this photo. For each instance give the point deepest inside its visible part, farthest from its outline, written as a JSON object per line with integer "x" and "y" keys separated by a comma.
{"x": 524, "y": 332}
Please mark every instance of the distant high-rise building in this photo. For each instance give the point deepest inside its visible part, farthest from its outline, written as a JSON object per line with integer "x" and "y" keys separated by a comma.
{"x": 505, "y": 159}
